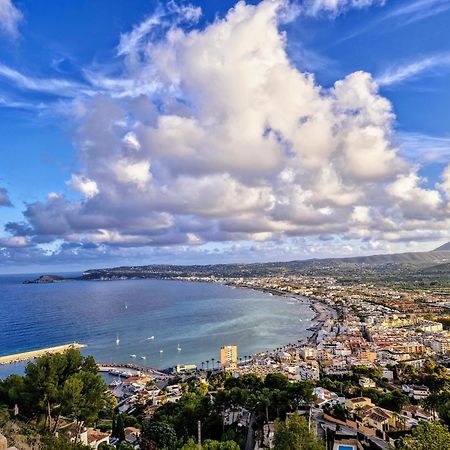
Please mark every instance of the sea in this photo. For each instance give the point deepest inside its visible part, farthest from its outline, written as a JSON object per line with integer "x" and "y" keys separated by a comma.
{"x": 162, "y": 322}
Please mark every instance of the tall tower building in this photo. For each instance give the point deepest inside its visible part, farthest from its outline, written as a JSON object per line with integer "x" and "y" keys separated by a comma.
{"x": 228, "y": 356}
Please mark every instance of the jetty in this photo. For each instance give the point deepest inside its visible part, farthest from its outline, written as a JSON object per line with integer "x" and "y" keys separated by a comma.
{"x": 127, "y": 369}
{"x": 8, "y": 359}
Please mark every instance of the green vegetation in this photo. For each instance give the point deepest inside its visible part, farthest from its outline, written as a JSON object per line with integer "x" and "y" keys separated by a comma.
{"x": 54, "y": 386}
{"x": 266, "y": 400}
{"x": 294, "y": 434}
{"x": 210, "y": 444}
{"x": 67, "y": 386}
{"x": 426, "y": 436}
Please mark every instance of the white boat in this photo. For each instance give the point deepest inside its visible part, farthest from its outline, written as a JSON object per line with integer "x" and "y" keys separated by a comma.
{"x": 117, "y": 339}
{"x": 126, "y": 306}
{"x": 150, "y": 338}
{"x": 133, "y": 356}
{"x": 161, "y": 351}
{"x": 179, "y": 348}
{"x": 143, "y": 357}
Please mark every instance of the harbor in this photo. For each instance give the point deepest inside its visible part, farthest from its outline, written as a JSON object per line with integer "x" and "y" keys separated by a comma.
{"x": 24, "y": 356}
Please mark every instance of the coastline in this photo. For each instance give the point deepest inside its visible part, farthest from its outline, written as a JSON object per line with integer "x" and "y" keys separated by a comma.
{"x": 307, "y": 335}
{"x": 323, "y": 312}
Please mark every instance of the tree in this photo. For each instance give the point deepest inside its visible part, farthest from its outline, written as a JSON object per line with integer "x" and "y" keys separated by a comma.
{"x": 119, "y": 431}
{"x": 83, "y": 396}
{"x": 440, "y": 403}
{"x": 293, "y": 434}
{"x": 62, "y": 443}
{"x": 105, "y": 446}
{"x": 54, "y": 384}
{"x": 125, "y": 446}
{"x": 211, "y": 445}
{"x": 276, "y": 381}
{"x": 426, "y": 436}
{"x": 159, "y": 433}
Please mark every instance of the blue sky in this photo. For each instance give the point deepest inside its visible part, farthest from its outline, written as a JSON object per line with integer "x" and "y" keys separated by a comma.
{"x": 223, "y": 173}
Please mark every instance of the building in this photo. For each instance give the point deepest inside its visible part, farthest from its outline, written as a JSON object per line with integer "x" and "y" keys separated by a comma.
{"x": 365, "y": 382}
{"x": 4, "y": 444}
{"x": 182, "y": 368}
{"x": 416, "y": 392}
{"x": 228, "y": 356}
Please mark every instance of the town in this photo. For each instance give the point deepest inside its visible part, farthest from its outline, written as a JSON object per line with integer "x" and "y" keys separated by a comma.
{"x": 374, "y": 369}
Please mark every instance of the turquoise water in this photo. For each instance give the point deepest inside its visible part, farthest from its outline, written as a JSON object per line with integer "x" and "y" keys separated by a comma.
{"x": 197, "y": 317}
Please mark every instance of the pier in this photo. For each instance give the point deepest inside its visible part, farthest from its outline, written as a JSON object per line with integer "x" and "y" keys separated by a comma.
{"x": 8, "y": 359}
{"x": 112, "y": 367}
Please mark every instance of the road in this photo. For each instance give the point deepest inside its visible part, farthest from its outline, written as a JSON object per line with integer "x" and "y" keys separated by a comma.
{"x": 250, "y": 442}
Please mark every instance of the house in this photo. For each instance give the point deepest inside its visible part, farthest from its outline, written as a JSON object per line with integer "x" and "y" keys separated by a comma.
{"x": 345, "y": 440}
{"x": 357, "y": 403}
{"x": 379, "y": 419}
{"x": 95, "y": 437}
{"x": 323, "y": 396}
{"x": 418, "y": 413}
{"x": 307, "y": 371}
{"x": 365, "y": 382}
{"x": 132, "y": 435}
{"x": 416, "y": 392}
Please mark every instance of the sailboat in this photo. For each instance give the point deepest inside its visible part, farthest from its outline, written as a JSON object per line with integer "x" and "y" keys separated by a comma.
{"x": 179, "y": 348}
{"x": 117, "y": 339}
{"x": 143, "y": 357}
{"x": 133, "y": 356}
{"x": 150, "y": 338}
{"x": 161, "y": 351}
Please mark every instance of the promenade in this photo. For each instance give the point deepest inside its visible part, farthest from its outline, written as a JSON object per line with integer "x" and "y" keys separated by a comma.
{"x": 8, "y": 359}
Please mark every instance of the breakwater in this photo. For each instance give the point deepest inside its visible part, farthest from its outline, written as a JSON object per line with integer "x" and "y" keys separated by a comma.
{"x": 8, "y": 359}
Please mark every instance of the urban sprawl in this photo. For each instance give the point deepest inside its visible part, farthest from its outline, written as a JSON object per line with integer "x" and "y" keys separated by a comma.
{"x": 373, "y": 359}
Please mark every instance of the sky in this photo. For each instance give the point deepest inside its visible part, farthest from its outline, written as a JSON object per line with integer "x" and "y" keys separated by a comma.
{"x": 208, "y": 132}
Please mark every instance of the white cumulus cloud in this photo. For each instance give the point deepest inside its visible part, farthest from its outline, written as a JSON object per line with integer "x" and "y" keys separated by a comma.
{"x": 236, "y": 144}
{"x": 10, "y": 17}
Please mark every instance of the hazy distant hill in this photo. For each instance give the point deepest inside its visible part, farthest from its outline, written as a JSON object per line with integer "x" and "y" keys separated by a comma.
{"x": 407, "y": 269}
{"x": 443, "y": 248}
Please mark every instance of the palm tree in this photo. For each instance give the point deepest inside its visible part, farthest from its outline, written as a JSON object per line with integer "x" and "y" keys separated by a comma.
{"x": 203, "y": 364}
{"x": 431, "y": 403}
{"x": 212, "y": 362}
{"x": 207, "y": 364}
{"x": 358, "y": 409}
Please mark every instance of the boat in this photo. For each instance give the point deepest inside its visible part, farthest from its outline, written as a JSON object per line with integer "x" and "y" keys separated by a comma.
{"x": 161, "y": 351}
{"x": 143, "y": 357}
{"x": 179, "y": 348}
{"x": 126, "y": 306}
{"x": 133, "y": 356}
{"x": 117, "y": 339}
{"x": 150, "y": 338}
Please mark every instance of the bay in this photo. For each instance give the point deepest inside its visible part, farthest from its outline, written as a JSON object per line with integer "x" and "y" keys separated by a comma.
{"x": 197, "y": 317}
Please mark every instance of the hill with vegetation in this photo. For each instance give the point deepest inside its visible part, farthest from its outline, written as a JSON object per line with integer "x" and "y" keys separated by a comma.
{"x": 417, "y": 270}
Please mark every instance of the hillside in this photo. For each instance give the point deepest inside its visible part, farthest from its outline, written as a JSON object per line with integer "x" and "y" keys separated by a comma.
{"x": 407, "y": 269}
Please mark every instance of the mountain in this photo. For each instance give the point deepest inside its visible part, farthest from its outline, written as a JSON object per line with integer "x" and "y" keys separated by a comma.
{"x": 443, "y": 248}
{"x": 408, "y": 270}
